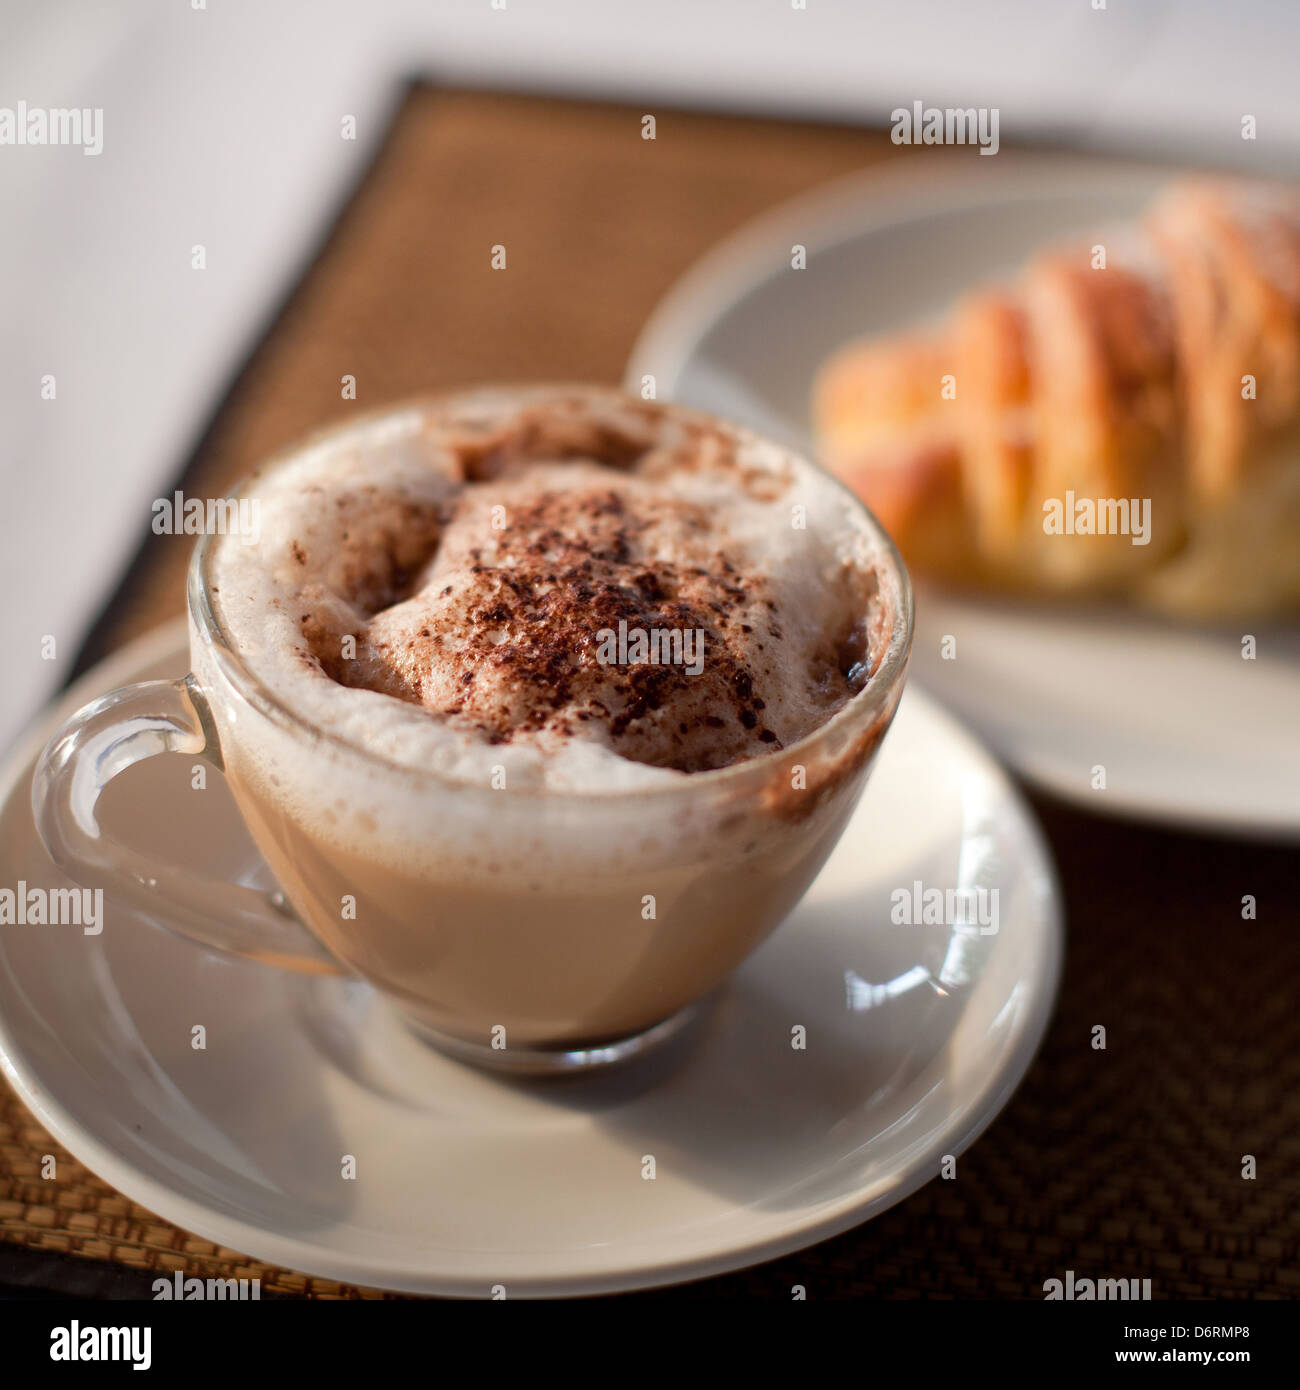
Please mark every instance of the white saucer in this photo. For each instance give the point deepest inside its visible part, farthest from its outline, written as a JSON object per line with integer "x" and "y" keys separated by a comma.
{"x": 916, "y": 1036}
{"x": 1187, "y": 731}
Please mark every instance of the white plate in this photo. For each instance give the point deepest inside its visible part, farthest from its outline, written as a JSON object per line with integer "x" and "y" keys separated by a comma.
{"x": 1187, "y": 731}
{"x": 916, "y": 1036}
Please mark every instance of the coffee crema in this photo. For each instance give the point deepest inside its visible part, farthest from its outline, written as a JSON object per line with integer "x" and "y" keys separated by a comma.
{"x": 561, "y": 587}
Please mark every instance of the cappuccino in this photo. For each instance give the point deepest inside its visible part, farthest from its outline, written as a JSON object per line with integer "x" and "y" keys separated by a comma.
{"x": 477, "y": 595}
{"x": 545, "y": 705}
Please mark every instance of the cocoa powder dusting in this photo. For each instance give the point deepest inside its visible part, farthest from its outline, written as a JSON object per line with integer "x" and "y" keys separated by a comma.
{"x": 513, "y": 609}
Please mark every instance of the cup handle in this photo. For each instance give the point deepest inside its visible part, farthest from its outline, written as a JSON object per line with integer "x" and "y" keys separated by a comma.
{"x": 98, "y": 742}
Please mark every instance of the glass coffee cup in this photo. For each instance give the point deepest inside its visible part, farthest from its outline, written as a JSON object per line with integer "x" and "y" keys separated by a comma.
{"x": 527, "y": 929}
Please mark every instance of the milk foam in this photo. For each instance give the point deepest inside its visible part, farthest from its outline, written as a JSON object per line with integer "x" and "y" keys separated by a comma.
{"x": 384, "y": 534}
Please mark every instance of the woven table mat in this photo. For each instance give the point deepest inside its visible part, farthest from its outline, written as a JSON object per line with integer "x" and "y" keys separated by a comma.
{"x": 1124, "y": 1163}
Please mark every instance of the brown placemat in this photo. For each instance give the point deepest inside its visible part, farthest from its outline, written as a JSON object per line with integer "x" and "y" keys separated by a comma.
{"x": 1123, "y": 1163}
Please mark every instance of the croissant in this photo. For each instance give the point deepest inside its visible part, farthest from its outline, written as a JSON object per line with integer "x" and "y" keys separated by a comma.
{"x": 1122, "y": 419}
